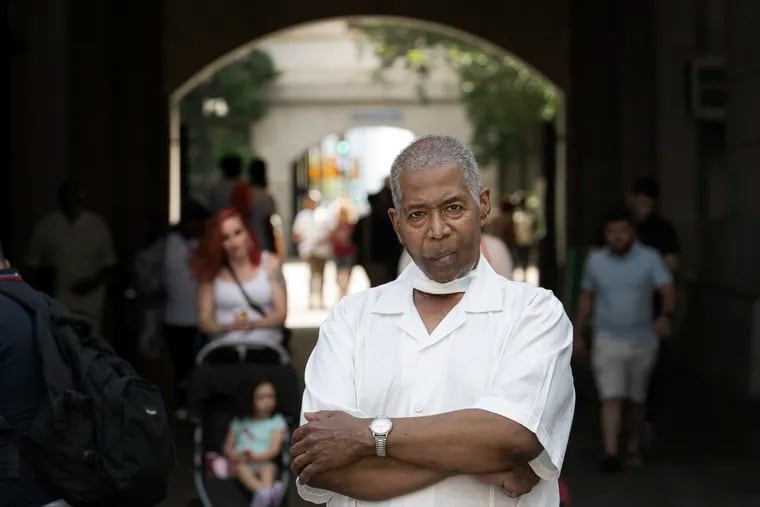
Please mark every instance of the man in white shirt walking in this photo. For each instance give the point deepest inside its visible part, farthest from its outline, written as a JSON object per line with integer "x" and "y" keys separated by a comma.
{"x": 73, "y": 246}
{"x": 450, "y": 386}
{"x": 311, "y": 234}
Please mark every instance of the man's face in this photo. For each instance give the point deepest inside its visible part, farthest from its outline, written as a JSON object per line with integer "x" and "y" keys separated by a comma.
{"x": 72, "y": 201}
{"x": 439, "y": 222}
{"x": 620, "y": 236}
{"x": 642, "y": 207}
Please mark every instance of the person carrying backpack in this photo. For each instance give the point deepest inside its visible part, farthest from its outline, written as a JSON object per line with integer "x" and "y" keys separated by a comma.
{"x": 76, "y": 422}
{"x": 21, "y": 394}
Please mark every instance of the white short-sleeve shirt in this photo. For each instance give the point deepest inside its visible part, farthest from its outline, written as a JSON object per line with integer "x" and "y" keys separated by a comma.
{"x": 181, "y": 308}
{"x": 313, "y": 226}
{"x": 505, "y": 348}
{"x": 76, "y": 250}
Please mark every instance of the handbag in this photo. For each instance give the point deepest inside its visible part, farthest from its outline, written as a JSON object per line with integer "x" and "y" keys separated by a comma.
{"x": 286, "y": 332}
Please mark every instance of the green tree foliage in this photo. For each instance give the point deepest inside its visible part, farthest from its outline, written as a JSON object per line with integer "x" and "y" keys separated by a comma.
{"x": 504, "y": 99}
{"x": 242, "y": 86}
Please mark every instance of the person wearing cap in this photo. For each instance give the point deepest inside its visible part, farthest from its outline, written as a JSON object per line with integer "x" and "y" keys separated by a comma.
{"x": 449, "y": 386}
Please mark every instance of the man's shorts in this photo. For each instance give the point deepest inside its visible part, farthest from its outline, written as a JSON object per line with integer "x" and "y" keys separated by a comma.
{"x": 622, "y": 367}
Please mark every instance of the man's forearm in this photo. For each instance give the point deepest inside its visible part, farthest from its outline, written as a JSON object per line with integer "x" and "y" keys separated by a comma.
{"x": 668, "y": 299}
{"x": 672, "y": 262}
{"x": 585, "y": 307}
{"x": 469, "y": 441}
{"x": 375, "y": 479}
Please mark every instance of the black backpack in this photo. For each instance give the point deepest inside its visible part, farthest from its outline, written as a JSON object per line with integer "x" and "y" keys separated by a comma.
{"x": 103, "y": 439}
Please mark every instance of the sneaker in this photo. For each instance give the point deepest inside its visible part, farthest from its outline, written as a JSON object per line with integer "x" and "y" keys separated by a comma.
{"x": 647, "y": 436}
{"x": 633, "y": 460}
{"x": 262, "y": 498}
{"x": 611, "y": 464}
{"x": 278, "y": 493}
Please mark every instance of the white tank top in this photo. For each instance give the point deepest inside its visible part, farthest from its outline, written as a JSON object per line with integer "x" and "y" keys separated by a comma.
{"x": 229, "y": 303}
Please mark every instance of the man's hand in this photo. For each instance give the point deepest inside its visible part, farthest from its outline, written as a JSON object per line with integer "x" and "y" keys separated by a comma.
{"x": 580, "y": 351}
{"x": 84, "y": 286}
{"x": 519, "y": 481}
{"x": 663, "y": 327}
{"x": 514, "y": 483}
{"x": 328, "y": 441}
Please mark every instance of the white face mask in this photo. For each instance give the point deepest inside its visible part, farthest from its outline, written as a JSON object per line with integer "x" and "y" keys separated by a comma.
{"x": 424, "y": 284}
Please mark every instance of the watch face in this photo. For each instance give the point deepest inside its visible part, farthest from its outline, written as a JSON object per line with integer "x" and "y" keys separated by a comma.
{"x": 381, "y": 425}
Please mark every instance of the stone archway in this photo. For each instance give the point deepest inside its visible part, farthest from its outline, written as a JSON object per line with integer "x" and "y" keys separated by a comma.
{"x": 198, "y": 33}
{"x": 286, "y": 130}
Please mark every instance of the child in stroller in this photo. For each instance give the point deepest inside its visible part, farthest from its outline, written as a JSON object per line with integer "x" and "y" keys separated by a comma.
{"x": 220, "y": 399}
{"x": 253, "y": 443}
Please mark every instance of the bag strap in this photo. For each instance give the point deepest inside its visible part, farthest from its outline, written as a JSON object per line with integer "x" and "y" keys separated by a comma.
{"x": 248, "y": 299}
{"x": 44, "y": 311}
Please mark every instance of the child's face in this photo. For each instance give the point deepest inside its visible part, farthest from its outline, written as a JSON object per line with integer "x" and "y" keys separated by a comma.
{"x": 264, "y": 399}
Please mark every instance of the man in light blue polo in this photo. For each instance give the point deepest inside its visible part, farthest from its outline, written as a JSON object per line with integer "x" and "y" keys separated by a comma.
{"x": 618, "y": 285}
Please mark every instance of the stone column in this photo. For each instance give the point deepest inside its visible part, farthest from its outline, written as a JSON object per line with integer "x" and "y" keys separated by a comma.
{"x": 743, "y": 140}
{"x": 742, "y": 237}
{"x": 40, "y": 114}
{"x": 676, "y": 133}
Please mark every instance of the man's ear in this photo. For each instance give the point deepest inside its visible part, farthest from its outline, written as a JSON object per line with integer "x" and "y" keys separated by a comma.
{"x": 394, "y": 217}
{"x": 485, "y": 205}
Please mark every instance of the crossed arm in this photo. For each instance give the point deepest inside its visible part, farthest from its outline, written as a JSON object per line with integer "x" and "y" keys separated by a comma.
{"x": 375, "y": 479}
{"x": 422, "y": 451}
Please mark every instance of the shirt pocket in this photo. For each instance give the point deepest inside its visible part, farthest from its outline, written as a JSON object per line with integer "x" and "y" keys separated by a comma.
{"x": 379, "y": 373}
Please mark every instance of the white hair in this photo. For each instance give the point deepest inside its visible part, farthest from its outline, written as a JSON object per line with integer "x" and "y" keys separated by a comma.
{"x": 436, "y": 151}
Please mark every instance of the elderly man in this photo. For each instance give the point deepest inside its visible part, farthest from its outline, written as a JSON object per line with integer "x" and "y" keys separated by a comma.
{"x": 450, "y": 386}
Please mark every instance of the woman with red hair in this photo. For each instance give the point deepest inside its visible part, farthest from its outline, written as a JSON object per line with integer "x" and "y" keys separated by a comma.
{"x": 241, "y": 291}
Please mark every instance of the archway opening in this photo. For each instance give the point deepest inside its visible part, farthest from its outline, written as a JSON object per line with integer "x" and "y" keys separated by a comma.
{"x": 345, "y": 169}
{"x": 347, "y": 73}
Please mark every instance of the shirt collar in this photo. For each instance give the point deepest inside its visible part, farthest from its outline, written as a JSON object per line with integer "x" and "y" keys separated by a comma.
{"x": 485, "y": 293}
{"x": 633, "y": 251}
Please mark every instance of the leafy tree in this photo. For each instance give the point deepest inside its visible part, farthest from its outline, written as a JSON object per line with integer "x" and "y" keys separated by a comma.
{"x": 505, "y": 101}
{"x": 241, "y": 85}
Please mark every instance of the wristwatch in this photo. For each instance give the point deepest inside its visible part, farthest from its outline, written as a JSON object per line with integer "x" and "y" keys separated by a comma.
{"x": 380, "y": 427}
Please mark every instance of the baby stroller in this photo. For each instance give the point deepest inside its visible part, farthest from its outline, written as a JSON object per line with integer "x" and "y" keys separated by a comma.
{"x": 214, "y": 395}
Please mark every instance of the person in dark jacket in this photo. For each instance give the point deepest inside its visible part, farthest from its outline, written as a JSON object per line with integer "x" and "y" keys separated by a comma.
{"x": 22, "y": 390}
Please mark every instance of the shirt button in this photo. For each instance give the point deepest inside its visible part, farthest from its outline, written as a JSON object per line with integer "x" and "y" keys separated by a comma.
{"x": 418, "y": 408}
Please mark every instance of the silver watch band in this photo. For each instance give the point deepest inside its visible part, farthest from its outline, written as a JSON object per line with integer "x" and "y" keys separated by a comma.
{"x": 380, "y": 443}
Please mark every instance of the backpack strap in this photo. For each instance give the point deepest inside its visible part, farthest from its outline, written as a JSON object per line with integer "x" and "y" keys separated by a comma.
{"x": 45, "y": 312}
{"x": 6, "y": 430}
